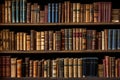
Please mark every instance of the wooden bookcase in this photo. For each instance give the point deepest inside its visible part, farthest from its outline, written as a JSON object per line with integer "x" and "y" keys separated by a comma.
{"x": 53, "y": 54}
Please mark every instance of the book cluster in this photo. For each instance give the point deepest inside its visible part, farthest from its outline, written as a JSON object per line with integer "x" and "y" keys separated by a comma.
{"x": 62, "y": 40}
{"x": 21, "y": 11}
{"x": 59, "y": 67}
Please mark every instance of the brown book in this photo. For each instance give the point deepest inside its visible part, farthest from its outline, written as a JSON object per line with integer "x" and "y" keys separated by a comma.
{"x": 63, "y": 12}
{"x": 38, "y": 40}
{"x": 32, "y": 14}
{"x": 106, "y": 38}
{"x": 35, "y": 68}
{"x": 1, "y": 42}
{"x": 94, "y": 39}
{"x": 33, "y": 39}
{"x": 3, "y": 66}
{"x": 87, "y": 12}
{"x": 46, "y": 13}
{"x": 95, "y": 7}
{"x": 54, "y": 41}
{"x": 50, "y": 40}
{"x": 18, "y": 41}
{"x": 99, "y": 37}
{"x": 6, "y": 39}
{"x": 28, "y": 42}
{"x": 77, "y": 39}
{"x": 60, "y": 12}
{"x": 9, "y": 12}
{"x": 80, "y": 38}
{"x": 63, "y": 39}
{"x": 6, "y": 11}
{"x": 74, "y": 38}
{"x": 19, "y": 68}
{"x": 42, "y": 16}
{"x": 13, "y": 67}
{"x": 84, "y": 39}
{"x": 28, "y": 12}
{"x": 3, "y": 13}
{"x": 91, "y": 13}
{"x": 46, "y": 40}
{"x": 31, "y": 68}
{"x": 8, "y": 66}
{"x": 21, "y": 40}
{"x": 27, "y": 67}
{"x": 58, "y": 40}
{"x": 40, "y": 68}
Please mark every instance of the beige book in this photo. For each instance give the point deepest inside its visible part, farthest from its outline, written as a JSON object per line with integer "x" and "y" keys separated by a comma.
{"x": 66, "y": 68}
{"x": 103, "y": 41}
{"x": 70, "y": 67}
{"x": 79, "y": 67}
{"x": 24, "y": 41}
{"x": 42, "y": 40}
{"x": 38, "y": 40}
{"x": 13, "y": 67}
{"x": 54, "y": 68}
{"x": 75, "y": 67}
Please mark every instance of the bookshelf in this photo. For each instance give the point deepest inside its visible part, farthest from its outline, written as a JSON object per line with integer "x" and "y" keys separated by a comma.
{"x": 59, "y": 40}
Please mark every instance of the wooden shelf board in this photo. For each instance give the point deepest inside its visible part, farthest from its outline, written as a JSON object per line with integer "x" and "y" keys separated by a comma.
{"x": 53, "y": 24}
{"x": 87, "y": 78}
{"x": 84, "y": 51}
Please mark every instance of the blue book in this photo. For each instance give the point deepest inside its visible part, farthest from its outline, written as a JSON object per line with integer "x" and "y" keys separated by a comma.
{"x": 56, "y": 13}
{"x": 17, "y": 11}
{"x": 114, "y": 40}
{"x": 118, "y": 38}
{"x": 49, "y": 12}
{"x": 13, "y": 11}
{"x": 21, "y": 11}
{"x": 24, "y": 11}
{"x": 53, "y": 12}
{"x": 109, "y": 39}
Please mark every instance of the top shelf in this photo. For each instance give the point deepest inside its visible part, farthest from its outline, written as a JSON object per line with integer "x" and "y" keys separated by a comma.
{"x": 54, "y": 24}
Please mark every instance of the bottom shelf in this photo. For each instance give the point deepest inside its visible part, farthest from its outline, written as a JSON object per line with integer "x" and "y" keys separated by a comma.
{"x": 31, "y": 78}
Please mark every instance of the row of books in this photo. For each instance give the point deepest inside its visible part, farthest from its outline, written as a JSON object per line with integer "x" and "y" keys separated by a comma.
{"x": 59, "y": 67}
{"x": 63, "y": 39}
{"x": 21, "y": 11}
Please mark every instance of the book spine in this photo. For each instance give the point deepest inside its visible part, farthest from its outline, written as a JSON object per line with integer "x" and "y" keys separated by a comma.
{"x": 114, "y": 39}
{"x": 118, "y": 39}
{"x": 19, "y": 68}
{"x": 53, "y": 12}
{"x": 8, "y": 64}
{"x": 6, "y": 11}
{"x": 70, "y": 39}
{"x": 9, "y": 12}
{"x": 56, "y": 13}
{"x": 21, "y": 11}
{"x": 24, "y": 11}
{"x": 17, "y": 11}
{"x": 49, "y": 12}
{"x": 13, "y": 67}
{"x": 28, "y": 13}
{"x": 70, "y": 62}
